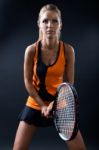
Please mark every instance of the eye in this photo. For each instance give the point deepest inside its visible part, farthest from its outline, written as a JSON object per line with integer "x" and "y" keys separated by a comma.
{"x": 55, "y": 21}
{"x": 45, "y": 21}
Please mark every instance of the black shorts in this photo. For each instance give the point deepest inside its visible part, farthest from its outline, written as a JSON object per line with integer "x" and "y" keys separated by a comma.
{"x": 33, "y": 116}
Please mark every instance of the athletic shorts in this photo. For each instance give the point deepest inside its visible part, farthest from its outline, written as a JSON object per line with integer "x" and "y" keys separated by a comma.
{"x": 33, "y": 116}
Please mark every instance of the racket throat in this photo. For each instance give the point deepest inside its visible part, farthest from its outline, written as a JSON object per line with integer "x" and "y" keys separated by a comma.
{"x": 63, "y": 136}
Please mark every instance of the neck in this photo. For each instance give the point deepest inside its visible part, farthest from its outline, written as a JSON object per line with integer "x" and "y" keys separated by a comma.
{"x": 50, "y": 43}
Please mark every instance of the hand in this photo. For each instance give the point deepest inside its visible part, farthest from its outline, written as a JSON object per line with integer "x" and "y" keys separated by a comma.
{"x": 46, "y": 110}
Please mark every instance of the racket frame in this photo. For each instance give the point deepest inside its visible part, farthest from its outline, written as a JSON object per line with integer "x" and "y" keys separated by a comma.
{"x": 76, "y": 107}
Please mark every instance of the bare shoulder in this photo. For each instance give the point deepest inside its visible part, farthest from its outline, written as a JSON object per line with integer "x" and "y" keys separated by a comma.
{"x": 69, "y": 53}
{"x": 30, "y": 50}
{"x": 69, "y": 49}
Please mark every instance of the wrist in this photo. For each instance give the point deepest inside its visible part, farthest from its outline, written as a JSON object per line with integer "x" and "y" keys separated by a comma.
{"x": 40, "y": 102}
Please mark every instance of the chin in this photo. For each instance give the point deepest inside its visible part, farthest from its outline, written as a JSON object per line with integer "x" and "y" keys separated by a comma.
{"x": 50, "y": 37}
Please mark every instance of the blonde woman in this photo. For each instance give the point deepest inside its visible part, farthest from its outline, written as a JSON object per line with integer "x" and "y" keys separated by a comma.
{"x": 46, "y": 62}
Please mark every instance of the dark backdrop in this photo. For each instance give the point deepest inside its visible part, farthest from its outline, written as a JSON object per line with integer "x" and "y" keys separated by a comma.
{"x": 18, "y": 29}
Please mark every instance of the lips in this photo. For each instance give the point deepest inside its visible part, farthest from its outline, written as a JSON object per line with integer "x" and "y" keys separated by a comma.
{"x": 50, "y": 32}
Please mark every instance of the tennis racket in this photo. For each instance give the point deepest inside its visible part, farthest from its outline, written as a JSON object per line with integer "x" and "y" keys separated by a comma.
{"x": 66, "y": 114}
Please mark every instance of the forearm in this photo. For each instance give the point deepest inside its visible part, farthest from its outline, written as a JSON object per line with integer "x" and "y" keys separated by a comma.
{"x": 33, "y": 93}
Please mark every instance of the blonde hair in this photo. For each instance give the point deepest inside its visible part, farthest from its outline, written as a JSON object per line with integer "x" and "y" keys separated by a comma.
{"x": 51, "y": 7}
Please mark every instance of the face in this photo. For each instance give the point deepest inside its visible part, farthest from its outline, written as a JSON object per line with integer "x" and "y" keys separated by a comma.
{"x": 50, "y": 24}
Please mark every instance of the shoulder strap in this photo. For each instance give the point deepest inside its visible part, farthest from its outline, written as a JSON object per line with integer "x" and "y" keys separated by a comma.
{"x": 36, "y": 49}
{"x": 64, "y": 51}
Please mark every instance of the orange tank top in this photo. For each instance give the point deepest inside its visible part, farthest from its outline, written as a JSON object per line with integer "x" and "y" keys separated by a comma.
{"x": 46, "y": 79}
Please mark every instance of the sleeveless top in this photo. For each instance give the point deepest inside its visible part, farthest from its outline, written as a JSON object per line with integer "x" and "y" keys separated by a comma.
{"x": 46, "y": 78}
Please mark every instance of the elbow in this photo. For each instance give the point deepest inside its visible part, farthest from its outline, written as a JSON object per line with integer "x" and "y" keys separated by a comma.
{"x": 27, "y": 83}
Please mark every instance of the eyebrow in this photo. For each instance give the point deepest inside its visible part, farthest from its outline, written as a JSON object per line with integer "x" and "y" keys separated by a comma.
{"x": 50, "y": 19}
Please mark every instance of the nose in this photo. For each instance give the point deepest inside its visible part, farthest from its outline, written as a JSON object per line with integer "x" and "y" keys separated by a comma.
{"x": 50, "y": 24}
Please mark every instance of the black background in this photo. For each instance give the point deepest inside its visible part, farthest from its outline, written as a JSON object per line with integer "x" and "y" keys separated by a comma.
{"x": 18, "y": 29}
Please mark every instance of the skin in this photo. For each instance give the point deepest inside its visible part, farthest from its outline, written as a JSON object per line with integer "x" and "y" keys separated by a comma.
{"x": 50, "y": 25}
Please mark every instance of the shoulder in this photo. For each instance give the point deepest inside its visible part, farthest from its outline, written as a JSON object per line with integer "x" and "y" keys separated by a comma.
{"x": 69, "y": 51}
{"x": 30, "y": 50}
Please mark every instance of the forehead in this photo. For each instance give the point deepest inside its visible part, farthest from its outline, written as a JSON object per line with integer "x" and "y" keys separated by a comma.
{"x": 49, "y": 14}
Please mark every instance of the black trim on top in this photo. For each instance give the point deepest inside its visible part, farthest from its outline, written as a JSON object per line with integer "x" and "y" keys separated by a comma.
{"x": 41, "y": 73}
{"x": 56, "y": 57}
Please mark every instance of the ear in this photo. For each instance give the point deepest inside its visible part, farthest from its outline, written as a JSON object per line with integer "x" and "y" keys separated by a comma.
{"x": 60, "y": 26}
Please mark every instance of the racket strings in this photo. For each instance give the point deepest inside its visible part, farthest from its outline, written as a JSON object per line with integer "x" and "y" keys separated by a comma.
{"x": 65, "y": 118}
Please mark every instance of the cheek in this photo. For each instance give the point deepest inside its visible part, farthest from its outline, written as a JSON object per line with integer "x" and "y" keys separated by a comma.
{"x": 58, "y": 28}
{"x": 41, "y": 26}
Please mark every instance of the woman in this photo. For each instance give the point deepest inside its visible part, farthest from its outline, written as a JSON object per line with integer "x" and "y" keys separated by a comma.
{"x": 45, "y": 64}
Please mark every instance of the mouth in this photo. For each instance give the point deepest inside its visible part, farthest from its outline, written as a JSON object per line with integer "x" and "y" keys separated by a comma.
{"x": 50, "y": 32}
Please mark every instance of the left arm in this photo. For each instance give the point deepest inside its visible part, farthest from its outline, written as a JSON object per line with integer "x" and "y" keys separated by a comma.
{"x": 69, "y": 71}
{"x": 70, "y": 62}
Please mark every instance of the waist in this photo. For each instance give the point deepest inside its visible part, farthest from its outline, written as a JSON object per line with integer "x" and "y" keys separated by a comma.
{"x": 33, "y": 104}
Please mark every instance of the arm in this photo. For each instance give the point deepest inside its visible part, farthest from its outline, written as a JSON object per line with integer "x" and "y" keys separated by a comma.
{"x": 70, "y": 62}
{"x": 28, "y": 74}
{"x": 69, "y": 70}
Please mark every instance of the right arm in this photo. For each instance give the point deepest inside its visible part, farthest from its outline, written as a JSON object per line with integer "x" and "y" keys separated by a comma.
{"x": 28, "y": 74}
